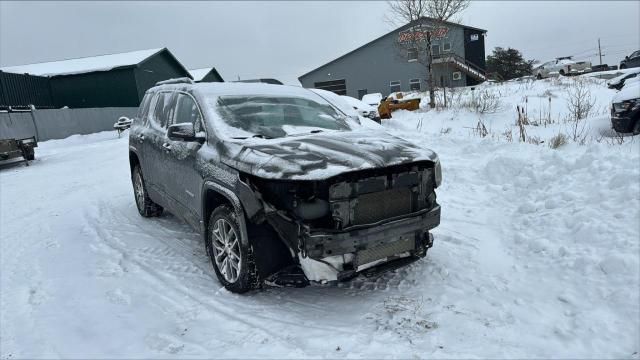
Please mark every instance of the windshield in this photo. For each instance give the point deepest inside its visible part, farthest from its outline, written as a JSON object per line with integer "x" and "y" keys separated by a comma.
{"x": 276, "y": 116}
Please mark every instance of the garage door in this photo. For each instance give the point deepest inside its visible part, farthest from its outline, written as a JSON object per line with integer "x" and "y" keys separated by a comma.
{"x": 337, "y": 86}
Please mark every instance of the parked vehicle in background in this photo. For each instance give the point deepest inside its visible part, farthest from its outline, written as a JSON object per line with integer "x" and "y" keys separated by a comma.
{"x": 619, "y": 81}
{"x": 561, "y": 66}
{"x": 631, "y": 61}
{"x": 15, "y": 148}
{"x": 364, "y": 109}
{"x": 397, "y": 101}
{"x": 338, "y": 102}
{"x": 625, "y": 109}
{"x": 284, "y": 188}
{"x": 631, "y": 82}
{"x": 372, "y": 99}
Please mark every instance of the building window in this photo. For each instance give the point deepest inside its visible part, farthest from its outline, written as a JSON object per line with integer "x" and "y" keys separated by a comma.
{"x": 412, "y": 54}
{"x": 457, "y": 75}
{"x": 474, "y": 37}
{"x": 394, "y": 86}
{"x": 435, "y": 49}
{"x": 414, "y": 84}
{"x": 361, "y": 93}
{"x": 446, "y": 47}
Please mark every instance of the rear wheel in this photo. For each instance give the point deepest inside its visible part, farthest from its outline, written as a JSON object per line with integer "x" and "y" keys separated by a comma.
{"x": 146, "y": 206}
{"x": 231, "y": 255}
{"x": 623, "y": 66}
{"x": 539, "y": 76}
{"x": 561, "y": 72}
{"x": 636, "y": 127}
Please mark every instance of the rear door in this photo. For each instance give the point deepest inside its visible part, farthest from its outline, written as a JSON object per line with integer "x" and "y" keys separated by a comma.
{"x": 185, "y": 181}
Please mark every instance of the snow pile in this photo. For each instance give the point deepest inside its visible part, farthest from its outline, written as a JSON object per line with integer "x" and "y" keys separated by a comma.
{"x": 537, "y": 256}
{"x": 578, "y": 107}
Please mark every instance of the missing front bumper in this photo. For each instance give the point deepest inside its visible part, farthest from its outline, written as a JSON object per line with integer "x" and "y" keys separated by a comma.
{"x": 321, "y": 244}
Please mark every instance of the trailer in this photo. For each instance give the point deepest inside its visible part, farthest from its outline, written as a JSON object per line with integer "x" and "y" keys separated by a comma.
{"x": 15, "y": 148}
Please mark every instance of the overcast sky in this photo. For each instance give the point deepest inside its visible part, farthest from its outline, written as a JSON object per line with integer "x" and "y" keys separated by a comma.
{"x": 286, "y": 39}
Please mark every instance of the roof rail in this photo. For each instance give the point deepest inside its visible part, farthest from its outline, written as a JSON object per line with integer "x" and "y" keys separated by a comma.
{"x": 182, "y": 80}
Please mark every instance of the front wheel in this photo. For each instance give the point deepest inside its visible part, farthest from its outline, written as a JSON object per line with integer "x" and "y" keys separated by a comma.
{"x": 539, "y": 76}
{"x": 146, "y": 206}
{"x": 636, "y": 127}
{"x": 231, "y": 255}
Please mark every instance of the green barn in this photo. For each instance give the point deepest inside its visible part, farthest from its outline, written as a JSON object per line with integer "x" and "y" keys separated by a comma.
{"x": 114, "y": 80}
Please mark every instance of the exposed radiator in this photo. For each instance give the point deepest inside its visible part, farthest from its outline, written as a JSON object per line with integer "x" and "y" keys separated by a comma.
{"x": 377, "y": 206}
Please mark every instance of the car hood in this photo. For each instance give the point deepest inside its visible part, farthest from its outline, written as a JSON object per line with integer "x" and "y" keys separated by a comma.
{"x": 323, "y": 155}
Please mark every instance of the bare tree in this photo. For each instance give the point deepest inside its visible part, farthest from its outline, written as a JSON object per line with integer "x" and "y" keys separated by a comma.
{"x": 440, "y": 11}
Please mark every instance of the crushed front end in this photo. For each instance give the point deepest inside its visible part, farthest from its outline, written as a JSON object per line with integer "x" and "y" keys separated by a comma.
{"x": 366, "y": 221}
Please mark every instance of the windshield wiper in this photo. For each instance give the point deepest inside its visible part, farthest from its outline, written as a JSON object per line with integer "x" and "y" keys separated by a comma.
{"x": 261, "y": 136}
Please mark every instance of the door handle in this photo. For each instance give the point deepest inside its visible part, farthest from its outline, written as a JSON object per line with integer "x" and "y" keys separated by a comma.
{"x": 166, "y": 146}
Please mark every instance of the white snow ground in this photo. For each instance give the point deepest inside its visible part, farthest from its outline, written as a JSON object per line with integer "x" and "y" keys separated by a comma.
{"x": 537, "y": 256}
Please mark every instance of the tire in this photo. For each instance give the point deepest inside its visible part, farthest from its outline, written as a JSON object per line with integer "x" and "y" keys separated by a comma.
{"x": 226, "y": 247}
{"x": 636, "y": 127}
{"x": 29, "y": 154}
{"x": 146, "y": 206}
{"x": 539, "y": 76}
{"x": 623, "y": 66}
{"x": 561, "y": 72}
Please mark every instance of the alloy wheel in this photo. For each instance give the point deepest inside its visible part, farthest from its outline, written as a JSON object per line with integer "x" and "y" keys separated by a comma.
{"x": 226, "y": 250}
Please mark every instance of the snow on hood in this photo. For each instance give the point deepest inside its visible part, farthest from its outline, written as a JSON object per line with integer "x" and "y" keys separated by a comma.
{"x": 617, "y": 79}
{"x": 357, "y": 104}
{"x": 321, "y": 156}
{"x": 631, "y": 91}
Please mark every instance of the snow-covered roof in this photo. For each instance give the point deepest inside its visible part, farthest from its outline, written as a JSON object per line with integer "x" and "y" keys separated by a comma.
{"x": 198, "y": 74}
{"x": 84, "y": 64}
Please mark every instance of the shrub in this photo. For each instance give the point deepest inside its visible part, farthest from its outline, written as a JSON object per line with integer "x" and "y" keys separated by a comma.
{"x": 558, "y": 141}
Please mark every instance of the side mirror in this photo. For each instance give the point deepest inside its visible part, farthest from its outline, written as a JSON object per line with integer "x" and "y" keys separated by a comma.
{"x": 626, "y": 57}
{"x": 184, "y": 132}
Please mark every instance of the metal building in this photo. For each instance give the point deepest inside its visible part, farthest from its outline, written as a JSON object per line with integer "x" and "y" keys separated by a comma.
{"x": 114, "y": 80}
{"x": 21, "y": 90}
{"x": 209, "y": 74}
{"x": 397, "y": 61}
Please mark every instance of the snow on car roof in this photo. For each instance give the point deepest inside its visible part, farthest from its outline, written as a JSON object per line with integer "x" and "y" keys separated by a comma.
{"x": 231, "y": 88}
{"x": 83, "y": 65}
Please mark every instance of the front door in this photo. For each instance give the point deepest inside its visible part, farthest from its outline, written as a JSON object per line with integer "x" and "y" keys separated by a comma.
{"x": 184, "y": 179}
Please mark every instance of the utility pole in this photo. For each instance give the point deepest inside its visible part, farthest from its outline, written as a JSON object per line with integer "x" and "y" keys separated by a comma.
{"x": 599, "y": 51}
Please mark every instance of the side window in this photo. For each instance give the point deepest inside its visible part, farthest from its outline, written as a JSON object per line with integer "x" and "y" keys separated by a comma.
{"x": 164, "y": 109}
{"x": 158, "y": 110}
{"x": 394, "y": 86}
{"x": 187, "y": 112}
{"x": 144, "y": 106}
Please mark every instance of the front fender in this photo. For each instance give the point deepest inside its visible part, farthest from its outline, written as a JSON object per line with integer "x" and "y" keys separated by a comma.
{"x": 233, "y": 200}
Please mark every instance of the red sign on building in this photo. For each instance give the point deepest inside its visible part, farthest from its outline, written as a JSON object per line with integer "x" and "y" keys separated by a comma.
{"x": 419, "y": 33}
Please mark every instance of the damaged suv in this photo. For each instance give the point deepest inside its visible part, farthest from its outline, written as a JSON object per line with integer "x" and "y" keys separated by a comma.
{"x": 283, "y": 186}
